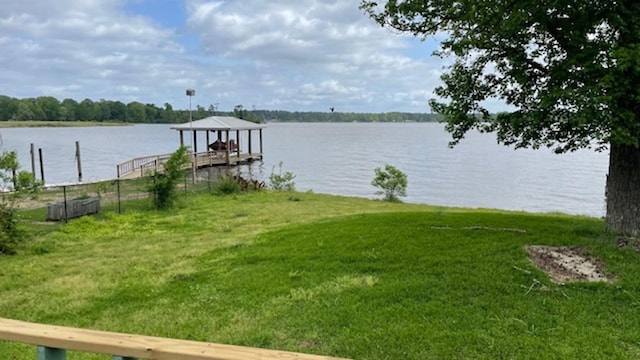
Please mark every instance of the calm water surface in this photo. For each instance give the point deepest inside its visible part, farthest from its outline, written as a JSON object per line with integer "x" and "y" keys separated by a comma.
{"x": 340, "y": 159}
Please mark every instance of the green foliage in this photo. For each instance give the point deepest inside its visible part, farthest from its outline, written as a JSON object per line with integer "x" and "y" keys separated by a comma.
{"x": 234, "y": 184}
{"x": 162, "y": 185}
{"x": 48, "y": 108}
{"x": 391, "y": 181}
{"x": 15, "y": 182}
{"x": 569, "y": 68}
{"x": 12, "y": 235}
{"x": 226, "y": 185}
{"x": 16, "y": 185}
{"x": 282, "y": 180}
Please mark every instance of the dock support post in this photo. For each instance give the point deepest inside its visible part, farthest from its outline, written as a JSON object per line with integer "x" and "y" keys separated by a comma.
{"x": 261, "y": 152}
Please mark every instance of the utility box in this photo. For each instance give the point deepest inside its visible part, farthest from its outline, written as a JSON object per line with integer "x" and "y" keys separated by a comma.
{"x": 74, "y": 208}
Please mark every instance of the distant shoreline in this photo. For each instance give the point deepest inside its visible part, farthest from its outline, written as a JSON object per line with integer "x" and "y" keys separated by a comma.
{"x": 18, "y": 124}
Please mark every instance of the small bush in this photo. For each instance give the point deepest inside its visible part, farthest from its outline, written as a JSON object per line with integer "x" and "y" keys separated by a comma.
{"x": 15, "y": 185}
{"x": 163, "y": 185}
{"x": 280, "y": 180}
{"x": 226, "y": 185}
{"x": 12, "y": 235}
{"x": 391, "y": 181}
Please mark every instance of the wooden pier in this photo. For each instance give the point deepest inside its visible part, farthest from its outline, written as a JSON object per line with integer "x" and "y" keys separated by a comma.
{"x": 233, "y": 145}
{"x": 141, "y": 166}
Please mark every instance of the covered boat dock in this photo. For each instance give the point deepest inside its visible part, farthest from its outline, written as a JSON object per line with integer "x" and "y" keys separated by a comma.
{"x": 216, "y": 140}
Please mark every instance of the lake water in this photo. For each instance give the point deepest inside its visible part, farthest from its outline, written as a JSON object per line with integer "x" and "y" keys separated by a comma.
{"x": 340, "y": 159}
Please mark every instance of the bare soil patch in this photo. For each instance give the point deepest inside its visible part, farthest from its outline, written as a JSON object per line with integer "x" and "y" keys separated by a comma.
{"x": 565, "y": 264}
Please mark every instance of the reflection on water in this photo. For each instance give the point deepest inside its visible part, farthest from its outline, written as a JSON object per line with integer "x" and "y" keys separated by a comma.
{"x": 340, "y": 159}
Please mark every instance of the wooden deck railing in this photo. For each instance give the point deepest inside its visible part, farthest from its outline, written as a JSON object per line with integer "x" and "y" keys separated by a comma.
{"x": 141, "y": 164}
{"x": 138, "y": 167}
{"x": 53, "y": 341}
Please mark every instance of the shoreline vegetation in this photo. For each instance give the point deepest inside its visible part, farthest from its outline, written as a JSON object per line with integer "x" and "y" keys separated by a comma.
{"x": 47, "y": 123}
{"x": 325, "y": 274}
{"x": 52, "y": 109}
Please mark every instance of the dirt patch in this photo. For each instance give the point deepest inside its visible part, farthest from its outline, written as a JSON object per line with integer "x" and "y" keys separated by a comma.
{"x": 564, "y": 264}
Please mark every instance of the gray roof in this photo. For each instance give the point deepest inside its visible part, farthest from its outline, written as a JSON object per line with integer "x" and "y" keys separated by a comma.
{"x": 219, "y": 123}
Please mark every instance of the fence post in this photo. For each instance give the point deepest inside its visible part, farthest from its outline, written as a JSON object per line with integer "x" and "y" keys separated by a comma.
{"x": 118, "y": 187}
{"x": 47, "y": 353}
{"x": 64, "y": 192}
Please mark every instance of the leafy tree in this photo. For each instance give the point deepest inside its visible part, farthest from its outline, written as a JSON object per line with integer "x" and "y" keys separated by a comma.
{"x": 50, "y": 107}
{"x": 162, "y": 185}
{"x": 168, "y": 116}
{"x": 136, "y": 112}
{"x": 238, "y": 111}
{"x": 70, "y": 107}
{"x": 86, "y": 110}
{"x": 118, "y": 111}
{"x": 23, "y": 113}
{"x": 391, "y": 182}
{"x": 569, "y": 68}
{"x": 15, "y": 185}
{"x": 8, "y": 106}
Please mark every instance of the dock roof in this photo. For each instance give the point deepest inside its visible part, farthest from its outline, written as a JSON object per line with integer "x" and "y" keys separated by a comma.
{"x": 219, "y": 123}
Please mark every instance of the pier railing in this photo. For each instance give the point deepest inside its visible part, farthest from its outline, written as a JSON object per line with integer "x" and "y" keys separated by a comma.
{"x": 141, "y": 164}
{"x": 138, "y": 167}
{"x": 53, "y": 341}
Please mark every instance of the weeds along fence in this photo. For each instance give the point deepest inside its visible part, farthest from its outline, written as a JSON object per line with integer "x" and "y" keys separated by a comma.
{"x": 68, "y": 201}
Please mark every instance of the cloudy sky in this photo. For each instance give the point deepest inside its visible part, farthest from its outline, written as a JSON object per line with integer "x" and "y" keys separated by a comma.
{"x": 296, "y": 55}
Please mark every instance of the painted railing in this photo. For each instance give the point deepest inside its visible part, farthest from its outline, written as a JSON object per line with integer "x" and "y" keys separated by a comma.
{"x": 53, "y": 342}
{"x": 141, "y": 164}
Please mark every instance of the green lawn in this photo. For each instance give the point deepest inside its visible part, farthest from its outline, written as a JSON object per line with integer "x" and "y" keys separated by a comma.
{"x": 328, "y": 275}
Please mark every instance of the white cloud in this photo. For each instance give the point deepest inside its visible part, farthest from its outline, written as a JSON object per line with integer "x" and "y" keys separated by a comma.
{"x": 284, "y": 54}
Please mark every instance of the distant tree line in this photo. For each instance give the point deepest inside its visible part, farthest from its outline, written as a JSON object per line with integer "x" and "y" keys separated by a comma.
{"x": 296, "y": 116}
{"x": 52, "y": 109}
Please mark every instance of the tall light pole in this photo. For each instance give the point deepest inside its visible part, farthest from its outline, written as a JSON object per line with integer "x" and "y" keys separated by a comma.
{"x": 190, "y": 94}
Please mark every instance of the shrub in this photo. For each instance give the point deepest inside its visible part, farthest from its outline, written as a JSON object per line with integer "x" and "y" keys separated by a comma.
{"x": 229, "y": 184}
{"x": 226, "y": 185}
{"x": 12, "y": 235}
{"x": 16, "y": 185}
{"x": 280, "y": 180}
{"x": 162, "y": 186}
{"x": 391, "y": 181}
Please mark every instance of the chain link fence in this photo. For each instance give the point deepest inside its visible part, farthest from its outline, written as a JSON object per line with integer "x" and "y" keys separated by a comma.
{"x": 68, "y": 201}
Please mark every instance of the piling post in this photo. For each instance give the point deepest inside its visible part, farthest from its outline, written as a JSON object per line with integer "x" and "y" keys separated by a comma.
{"x": 79, "y": 162}
{"x": 41, "y": 165}
{"x": 33, "y": 160}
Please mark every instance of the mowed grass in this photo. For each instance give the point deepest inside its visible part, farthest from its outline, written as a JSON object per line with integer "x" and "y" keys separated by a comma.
{"x": 329, "y": 275}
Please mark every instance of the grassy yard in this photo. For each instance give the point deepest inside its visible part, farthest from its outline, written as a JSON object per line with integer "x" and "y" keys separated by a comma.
{"x": 328, "y": 275}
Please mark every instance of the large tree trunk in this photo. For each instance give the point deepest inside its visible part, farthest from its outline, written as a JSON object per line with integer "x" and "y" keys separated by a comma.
{"x": 623, "y": 190}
